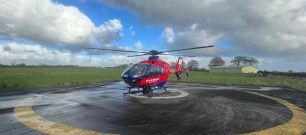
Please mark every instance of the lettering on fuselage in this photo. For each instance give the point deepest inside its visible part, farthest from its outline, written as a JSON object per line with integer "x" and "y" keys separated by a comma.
{"x": 152, "y": 80}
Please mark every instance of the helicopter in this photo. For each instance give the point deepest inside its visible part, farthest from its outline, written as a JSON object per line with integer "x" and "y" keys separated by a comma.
{"x": 151, "y": 74}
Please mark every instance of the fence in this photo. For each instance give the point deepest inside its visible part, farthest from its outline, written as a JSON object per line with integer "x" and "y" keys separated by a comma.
{"x": 295, "y": 75}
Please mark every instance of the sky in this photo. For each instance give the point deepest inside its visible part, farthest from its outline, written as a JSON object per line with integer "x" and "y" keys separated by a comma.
{"x": 57, "y": 32}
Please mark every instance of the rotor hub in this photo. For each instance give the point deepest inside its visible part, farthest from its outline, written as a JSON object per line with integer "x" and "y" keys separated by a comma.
{"x": 153, "y": 52}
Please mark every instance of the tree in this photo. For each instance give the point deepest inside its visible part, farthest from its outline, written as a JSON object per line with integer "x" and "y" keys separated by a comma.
{"x": 123, "y": 66}
{"x": 216, "y": 61}
{"x": 244, "y": 60}
{"x": 193, "y": 65}
{"x": 237, "y": 60}
{"x": 251, "y": 61}
{"x": 20, "y": 65}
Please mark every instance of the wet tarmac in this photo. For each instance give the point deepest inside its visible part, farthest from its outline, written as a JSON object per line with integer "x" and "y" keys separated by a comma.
{"x": 206, "y": 109}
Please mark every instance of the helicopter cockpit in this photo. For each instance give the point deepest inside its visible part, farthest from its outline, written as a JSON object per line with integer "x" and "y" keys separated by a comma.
{"x": 142, "y": 70}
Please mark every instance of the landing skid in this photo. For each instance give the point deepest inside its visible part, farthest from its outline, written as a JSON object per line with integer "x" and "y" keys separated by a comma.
{"x": 133, "y": 92}
{"x": 148, "y": 90}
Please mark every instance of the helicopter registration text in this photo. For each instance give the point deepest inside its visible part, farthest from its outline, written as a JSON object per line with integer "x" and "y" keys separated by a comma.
{"x": 152, "y": 80}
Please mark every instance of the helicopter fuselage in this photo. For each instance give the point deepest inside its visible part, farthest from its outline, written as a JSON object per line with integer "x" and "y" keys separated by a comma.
{"x": 151, "y": 72}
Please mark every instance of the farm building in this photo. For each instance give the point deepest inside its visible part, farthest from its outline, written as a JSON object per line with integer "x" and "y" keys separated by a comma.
{"x": 234, "y": 69}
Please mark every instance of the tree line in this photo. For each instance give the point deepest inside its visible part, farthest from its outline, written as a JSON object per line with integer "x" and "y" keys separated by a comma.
{"x": 218, "y": 61}
{"x": 236, "y": 61}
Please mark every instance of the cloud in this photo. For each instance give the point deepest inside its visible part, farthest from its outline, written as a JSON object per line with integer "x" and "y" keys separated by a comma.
{"x": 34, "y": 54}
{"x": 138, "y": 45}
{"x": 109, "y": 31}
{"x": 168, "y": 33}
{"x": 273, "y": 28}
{"x": 54, "y": 23}
{"x": 193, "y": 26}
{"x": 191, "y": 38}
{"x": 132, "y": 31}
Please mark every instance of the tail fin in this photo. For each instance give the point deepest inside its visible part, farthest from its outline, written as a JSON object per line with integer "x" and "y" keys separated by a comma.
{"x": 179, "y": 69}
{"x": 179, "y": 65}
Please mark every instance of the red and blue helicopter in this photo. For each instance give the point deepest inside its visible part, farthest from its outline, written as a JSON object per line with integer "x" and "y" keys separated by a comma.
{"x": 152, "y": 73}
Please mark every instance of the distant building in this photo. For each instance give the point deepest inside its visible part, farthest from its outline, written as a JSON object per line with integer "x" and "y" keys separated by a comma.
{"x": 234, "y": 69}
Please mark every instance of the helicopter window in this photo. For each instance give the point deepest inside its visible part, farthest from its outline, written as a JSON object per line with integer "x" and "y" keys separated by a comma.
{"x": 138, "y": 70}
{"x": 155, "y": 71}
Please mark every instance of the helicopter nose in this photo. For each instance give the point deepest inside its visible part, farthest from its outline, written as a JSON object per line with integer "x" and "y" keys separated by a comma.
{"x": 125, "y": 76}
{"x": 131, "y": 80}
{"x": 136, "y": 80}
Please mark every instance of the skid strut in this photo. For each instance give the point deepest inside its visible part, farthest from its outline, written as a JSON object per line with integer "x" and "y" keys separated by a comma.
{"x": 145, "y": 89}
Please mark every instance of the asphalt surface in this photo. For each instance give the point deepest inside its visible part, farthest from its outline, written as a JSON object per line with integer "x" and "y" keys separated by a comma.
{"x": 104, "y": 108}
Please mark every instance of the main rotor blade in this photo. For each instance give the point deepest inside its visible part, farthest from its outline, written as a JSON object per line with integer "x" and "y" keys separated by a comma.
{"x": 200, "y": 47}
{"x": 138, "y": 55}
{"x": 177, "y": 55}
{"x": 116, "y": 50}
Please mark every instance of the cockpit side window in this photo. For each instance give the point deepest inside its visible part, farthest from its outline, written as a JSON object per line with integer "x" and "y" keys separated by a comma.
{"x": 138, "y": 70}
{"x": 154, "y": 71}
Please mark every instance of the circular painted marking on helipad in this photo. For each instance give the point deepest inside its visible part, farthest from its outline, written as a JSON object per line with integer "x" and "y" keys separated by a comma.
{"x": 295, "y": 126}
{"x": 25, "y": 114}
{"x": 180, "y": 94}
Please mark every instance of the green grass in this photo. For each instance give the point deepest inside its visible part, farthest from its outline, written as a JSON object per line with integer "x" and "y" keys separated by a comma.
{"x": 38, "y": 77}
{"x": 242, "y": 79}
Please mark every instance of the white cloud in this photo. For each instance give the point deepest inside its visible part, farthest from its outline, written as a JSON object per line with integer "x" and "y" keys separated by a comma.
{"x": 132, "y": 31}
{"x": 192, "y": 38}
{"x": 109, "y": 31}
{"x": 138, "y": 45}
{"x": 33, "y": 54}
{"x": 168, "y": 33}
{"x": 46, "y": 21}
{"x": 256, "y": 27}
{"x": 193, "y": 26}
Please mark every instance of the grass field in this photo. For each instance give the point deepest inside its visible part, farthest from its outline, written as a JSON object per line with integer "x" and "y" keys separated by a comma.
{"x": 242, "y": 79}
{"x": 37, "y": 77}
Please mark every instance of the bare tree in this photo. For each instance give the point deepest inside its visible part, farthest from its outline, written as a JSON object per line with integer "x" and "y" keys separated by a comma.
{"x": 237, "y": 60}
{"x": 244, "y": 60}
{"x": 216, "y": 61}
{"x": 193, "y": 65}
{"x": 251, "y": 61}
